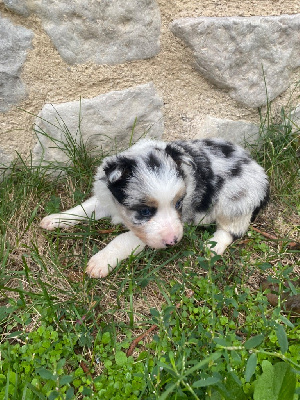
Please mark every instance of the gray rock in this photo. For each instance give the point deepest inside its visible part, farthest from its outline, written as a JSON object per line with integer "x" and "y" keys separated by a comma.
{"x": 104, "y": 32}
{"x": 239, "y": 132}
{"x": 108, "y": 122}
{"x": 5, "y": 162}
{"x": 240, "y": 54}
{"x": 295, "y": 118}
{"x": 5, "y": 159}
{"x": 14, "y": 43}
{"x": 18, "y": 6}
{"x": 291, "y": 120}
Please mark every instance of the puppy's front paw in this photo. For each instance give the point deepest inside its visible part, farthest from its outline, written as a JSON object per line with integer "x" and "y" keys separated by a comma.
{"x": 50, "y": 222}
{"x": 54, "y": 221}
{"x": 98, "y": 266}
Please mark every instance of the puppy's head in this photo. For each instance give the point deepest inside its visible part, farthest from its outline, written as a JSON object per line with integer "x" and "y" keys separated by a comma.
{"x": 149, "y": 190}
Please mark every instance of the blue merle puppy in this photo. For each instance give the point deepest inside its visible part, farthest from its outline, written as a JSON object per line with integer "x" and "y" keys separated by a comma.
{"x": 154, "y": 187}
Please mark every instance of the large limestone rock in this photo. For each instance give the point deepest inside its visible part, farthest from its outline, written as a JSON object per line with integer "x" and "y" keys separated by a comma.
{"x": 239, "y": 132}
{"x": 242, "y": 53}
{"x": 295, "y": 118}
{"x": 5, "y": 159}
{"x": 14, "y": 43}
{"x": 101, "y": 31}
{"x": 108, "y": 122}
{"x": 5, "y": 162}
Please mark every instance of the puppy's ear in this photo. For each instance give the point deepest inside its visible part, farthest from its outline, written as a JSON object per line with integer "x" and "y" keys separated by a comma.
{"x": 179, "y": 155}
{"x": 118, "y": 169}
{"x": 113, "y": 172}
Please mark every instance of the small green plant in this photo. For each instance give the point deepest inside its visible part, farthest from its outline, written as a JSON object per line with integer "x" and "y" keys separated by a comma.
{"x": 48, "y": 364}
{"x": 213, "y": 334}
{"x": 199, "y": 353}
{"x": 37, "y": 365}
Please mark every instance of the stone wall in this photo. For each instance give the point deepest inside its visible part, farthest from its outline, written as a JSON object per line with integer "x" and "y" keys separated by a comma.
{"x": 170, "y": 68}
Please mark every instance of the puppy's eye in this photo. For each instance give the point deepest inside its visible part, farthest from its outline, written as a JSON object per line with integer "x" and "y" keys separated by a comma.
{"x": 178, "y": 205}
{"x": 147, "y": 212}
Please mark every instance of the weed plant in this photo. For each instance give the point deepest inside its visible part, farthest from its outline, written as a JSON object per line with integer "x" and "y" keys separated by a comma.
{"x": 214, "y": 334}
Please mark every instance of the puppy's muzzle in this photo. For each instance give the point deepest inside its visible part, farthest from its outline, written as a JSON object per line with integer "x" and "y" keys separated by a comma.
{"x": 171, "y": 242}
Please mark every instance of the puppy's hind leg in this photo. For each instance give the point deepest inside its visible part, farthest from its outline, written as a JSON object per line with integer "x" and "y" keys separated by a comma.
{"x": 228, "y": 230}
{"x": 75, "y": 215}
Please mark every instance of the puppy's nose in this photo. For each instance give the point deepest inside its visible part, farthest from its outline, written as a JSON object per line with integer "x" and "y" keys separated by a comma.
{"x": 171, "y": 242}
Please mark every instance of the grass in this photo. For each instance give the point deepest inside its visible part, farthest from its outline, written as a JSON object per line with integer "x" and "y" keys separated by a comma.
{"x": 213, "y": 333}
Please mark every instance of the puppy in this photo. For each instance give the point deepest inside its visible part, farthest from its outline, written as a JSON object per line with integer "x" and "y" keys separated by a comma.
{"x": 154, "y": 187}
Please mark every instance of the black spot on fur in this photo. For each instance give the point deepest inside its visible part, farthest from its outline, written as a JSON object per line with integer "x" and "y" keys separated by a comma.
{"x": 224, "y": 149}
{"x": 262, "y": 204}
{"x": 209, "y": 142}
{"x": 126, "y": 167}
{"x": 173, "y": 152}
{"x": 227, "y": 149}
{"x": 219, "y": 182}
{"x": 237, "y": 168}
{"x": 207, "y": 183}
{"x": 212, "y": 188}
{"x": 153, "y": 162}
